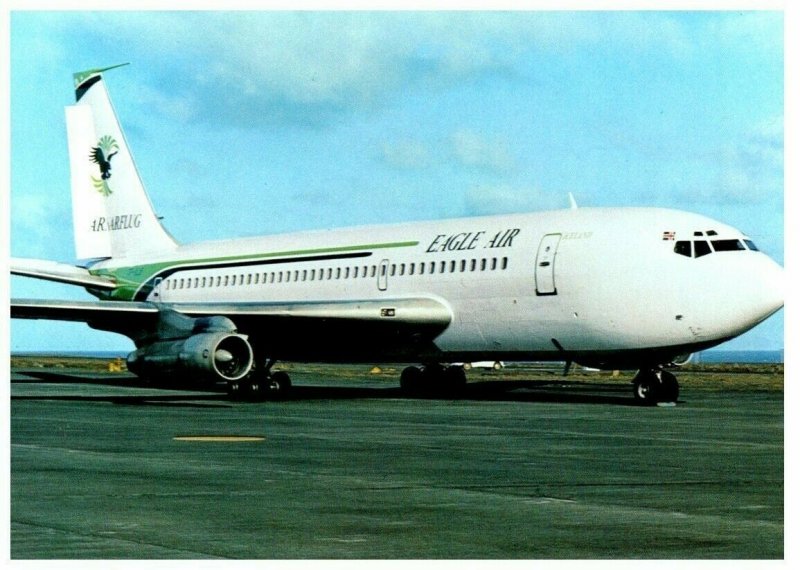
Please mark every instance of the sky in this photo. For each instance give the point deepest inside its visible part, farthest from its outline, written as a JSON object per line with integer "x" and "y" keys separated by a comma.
{"x": 250, "y": 123}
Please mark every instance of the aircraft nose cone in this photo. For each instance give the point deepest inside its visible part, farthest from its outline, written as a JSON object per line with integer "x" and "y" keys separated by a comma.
{"x": 772, "y": 288}
{"x": 761, "y": 289}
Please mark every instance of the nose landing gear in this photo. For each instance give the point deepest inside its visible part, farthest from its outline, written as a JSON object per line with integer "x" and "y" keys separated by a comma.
{"x": 654, "y": 385}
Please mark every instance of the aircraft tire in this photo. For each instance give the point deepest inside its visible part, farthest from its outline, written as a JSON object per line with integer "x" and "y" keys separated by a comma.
{"x": 235, "y": 390}
{"x": 279, "y": 385}
{"x": 453, "y": 380}
{"x": 646, "y": 388}
{"x": 669, "y": 387}
{"x": 411, "y": 380}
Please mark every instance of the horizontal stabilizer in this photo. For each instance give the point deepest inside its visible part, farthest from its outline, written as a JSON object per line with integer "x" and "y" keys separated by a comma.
{"x": 59, "y": 272}
{"x": 78, "y": 311}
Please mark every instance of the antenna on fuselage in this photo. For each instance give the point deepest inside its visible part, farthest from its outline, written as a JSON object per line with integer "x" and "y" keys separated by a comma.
{"x": 573, "y": 205}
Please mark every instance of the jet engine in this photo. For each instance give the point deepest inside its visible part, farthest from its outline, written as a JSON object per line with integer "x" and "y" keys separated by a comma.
{"x": 208, "y": 356}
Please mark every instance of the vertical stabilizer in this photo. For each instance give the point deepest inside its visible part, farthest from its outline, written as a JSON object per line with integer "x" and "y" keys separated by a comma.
{"x": 112, "y": 215}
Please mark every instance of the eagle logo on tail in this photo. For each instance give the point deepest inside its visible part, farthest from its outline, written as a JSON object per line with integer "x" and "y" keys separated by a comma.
{"x": 101, "y": 155}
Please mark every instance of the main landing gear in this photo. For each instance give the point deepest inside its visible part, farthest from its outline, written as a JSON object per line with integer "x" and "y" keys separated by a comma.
{"x": 654, "y": 385}
{"x": 260, "y": 385}
{"x": 433, "y": 380}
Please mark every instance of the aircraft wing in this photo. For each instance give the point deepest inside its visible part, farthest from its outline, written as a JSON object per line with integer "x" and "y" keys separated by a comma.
{"x": 291, "y": 330}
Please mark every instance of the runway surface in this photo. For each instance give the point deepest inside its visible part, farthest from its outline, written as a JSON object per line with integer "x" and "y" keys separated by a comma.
{"x": 351, "y": 469}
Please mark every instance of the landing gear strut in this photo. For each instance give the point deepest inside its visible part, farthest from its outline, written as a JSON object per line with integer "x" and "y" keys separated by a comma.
{"x": 261, "y": 384}
{"x": 654, "y": 385}
{"x": 433, "y": 380}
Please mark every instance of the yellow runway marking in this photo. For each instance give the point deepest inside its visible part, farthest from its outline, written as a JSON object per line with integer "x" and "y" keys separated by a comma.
{"x": 216, "y": 438}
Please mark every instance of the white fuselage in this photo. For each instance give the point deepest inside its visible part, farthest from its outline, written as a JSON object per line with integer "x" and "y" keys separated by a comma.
{"x": 587, "y": 282}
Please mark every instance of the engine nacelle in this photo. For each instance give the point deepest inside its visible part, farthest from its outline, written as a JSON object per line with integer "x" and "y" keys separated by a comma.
{"x": 208, "y": 357}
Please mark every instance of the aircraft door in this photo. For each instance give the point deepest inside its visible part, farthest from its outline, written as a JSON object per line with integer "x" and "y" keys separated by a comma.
{"x": 157, "y": 289}
{"x": 383, "y": 275}
{"x": 546, "y": 265}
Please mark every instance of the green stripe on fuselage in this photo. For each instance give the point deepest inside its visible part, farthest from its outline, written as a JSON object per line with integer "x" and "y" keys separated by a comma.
{"x": 131, "y": 278}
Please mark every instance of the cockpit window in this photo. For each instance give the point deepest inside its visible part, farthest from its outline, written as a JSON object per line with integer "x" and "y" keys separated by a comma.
{"x": 701, "y": 248}
{"x": 683, "y": 248}
{"x": 727, "y": 245}
{"x": 750, "y": 245}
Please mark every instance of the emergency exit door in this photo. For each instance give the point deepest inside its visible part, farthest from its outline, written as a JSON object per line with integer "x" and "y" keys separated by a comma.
{"x": 546, "y": 265}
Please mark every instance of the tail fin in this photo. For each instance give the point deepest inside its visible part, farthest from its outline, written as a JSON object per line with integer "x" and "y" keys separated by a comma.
{"x": 111, "y": 213}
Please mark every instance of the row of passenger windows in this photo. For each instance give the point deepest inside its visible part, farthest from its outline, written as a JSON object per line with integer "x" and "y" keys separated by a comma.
{"x": 699, "y": 248}
{"x": 332, "y": 273}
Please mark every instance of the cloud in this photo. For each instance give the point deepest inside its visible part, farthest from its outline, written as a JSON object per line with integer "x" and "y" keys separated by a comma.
{"x": 748, "y": 170}
{"x": 473, "y": 149}
{"x": 488, "y": 199}
{"x": 406, "y": 154}
{"x": 760, "y": 31}
{"x": 37, "y": 219}
{"x": 255, "y": 68}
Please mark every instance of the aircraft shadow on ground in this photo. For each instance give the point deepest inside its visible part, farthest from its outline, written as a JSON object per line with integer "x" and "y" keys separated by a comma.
{"x": 549, "y": 391}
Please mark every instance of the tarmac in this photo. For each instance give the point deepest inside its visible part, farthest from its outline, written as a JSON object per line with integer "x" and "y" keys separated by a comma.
{"x": 351, "y": 469}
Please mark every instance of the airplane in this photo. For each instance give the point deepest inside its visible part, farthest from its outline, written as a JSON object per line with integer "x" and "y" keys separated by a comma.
{"x": 611, "y": 288}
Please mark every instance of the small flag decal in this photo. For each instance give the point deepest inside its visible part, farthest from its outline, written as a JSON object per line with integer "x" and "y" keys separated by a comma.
{"x": 668, "y": 236}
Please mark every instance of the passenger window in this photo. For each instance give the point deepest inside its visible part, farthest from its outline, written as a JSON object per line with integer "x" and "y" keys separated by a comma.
{"x": 505, "y": 263}
{"x": 494, "y": 263}
{"x": 683, "y": 248}
{"x": 701, "y": 248}
{"x": 463, "y": 265}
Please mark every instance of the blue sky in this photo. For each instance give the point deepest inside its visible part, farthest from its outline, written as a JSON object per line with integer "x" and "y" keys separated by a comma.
{"x": 245, "y": 123}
